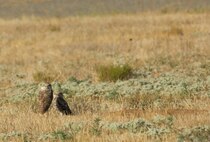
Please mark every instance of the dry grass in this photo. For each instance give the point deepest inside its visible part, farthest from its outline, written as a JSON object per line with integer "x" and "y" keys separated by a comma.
{"x": 33, "y": 45}
{"x": 74, "y": 46}
{"x": 20, "y": 118}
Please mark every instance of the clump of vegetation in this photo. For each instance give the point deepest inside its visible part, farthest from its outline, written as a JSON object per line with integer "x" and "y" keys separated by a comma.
{"x": 195, "y": 134}
{"x": 175, "y": 31}
{"x": 113, "y": 95}
{"x": 96, "y": 129}
{"x": 114, "y": 72}
{"x": 56, "y": 135}
{"x": 163, "y": 60}
{"x": 43, "y": 77}
{"x": 15, "y": 134}
{"x": 155, "y": 129}
{"x": 143, "y": 101}
{"x": 85, "y": 104}
{"x": 54, "y": 28}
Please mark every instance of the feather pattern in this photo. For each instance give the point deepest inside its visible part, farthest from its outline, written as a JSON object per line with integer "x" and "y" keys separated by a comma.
{"x": 62, "y": 105}
{"x": 45, "y": 98}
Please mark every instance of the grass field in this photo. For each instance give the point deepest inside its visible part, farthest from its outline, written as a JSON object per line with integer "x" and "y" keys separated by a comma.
{"x": 64, "y": 8}
{"x": 165, "y": 99}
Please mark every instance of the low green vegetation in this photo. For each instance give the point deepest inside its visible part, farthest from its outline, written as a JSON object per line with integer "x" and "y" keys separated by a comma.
{"x": 195, "y": 134}
{"x": 114, "y": 72}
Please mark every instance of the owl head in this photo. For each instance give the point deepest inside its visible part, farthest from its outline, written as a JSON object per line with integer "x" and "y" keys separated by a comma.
{"x": 60, "y": 95}
{"x": 45, "y": 86}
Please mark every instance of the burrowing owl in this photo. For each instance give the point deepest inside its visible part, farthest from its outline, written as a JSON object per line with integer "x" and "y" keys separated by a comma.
{"x": 45, "y": 97}
{"x": 59, "y": 103}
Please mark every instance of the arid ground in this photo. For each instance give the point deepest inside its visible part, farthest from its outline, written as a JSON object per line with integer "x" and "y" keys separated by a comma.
{"x": 167, "y": 97}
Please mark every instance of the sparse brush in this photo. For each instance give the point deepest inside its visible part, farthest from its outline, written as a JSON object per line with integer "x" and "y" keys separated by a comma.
{"x": 26, "y": 137}
{"x": 164, "y": 60}
{"x": 113, "y": 95}
{"x": 85, "y": 104}
{"x": 114, "y": 72}
{"x": 195, "y": 134}
{"x": 143, "y": 101}
{"x": 43, "y": 77}
{"x": 96, "y": 128}
{"x": 175, "y": 31}
{"x": 58, "y": 135}
{"x": 54, "y": 28}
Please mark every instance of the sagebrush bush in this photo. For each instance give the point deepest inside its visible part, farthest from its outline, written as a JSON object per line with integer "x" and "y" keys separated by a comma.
{"x": 195, "y": 134}
{"x": 114, "y": 72}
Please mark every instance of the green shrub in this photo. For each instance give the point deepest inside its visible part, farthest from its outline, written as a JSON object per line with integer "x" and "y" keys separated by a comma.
{"x": 114, "y": 72}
